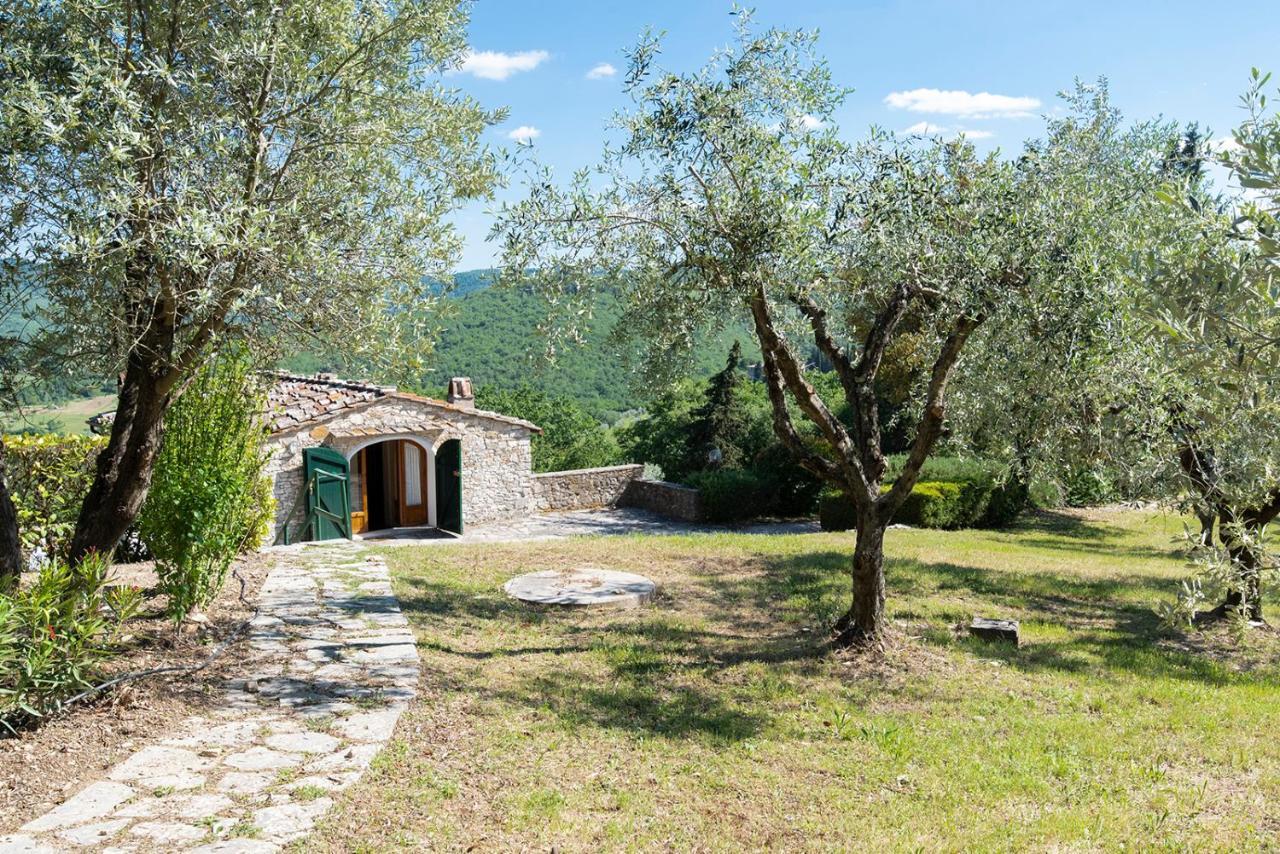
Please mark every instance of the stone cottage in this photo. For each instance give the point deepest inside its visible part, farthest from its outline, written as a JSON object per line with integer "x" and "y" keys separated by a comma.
{"x": 391, "y": 459}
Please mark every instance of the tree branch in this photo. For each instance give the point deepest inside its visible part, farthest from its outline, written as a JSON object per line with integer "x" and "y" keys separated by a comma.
{"x": 791, "y": 375}
{"x": 935, "y": 409}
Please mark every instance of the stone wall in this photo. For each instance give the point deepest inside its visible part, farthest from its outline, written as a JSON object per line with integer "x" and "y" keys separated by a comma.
{"x": 672, "y": 500}
{"x": 497, "y": 459}
{"x": 582, "y": 488}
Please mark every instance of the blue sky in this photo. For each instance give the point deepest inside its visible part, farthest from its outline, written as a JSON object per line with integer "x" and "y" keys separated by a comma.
{"x": 908, "y": 62}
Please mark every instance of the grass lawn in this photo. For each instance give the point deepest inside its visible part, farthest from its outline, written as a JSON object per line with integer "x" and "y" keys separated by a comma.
{"x": 69, "y": 417}
{"x": 714, "y": 721}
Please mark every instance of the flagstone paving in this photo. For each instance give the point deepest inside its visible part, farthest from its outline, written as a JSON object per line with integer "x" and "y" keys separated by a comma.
{"x": 334, "y": 665}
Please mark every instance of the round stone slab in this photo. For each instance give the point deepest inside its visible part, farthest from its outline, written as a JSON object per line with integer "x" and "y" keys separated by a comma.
{"x": 586, "y": 587}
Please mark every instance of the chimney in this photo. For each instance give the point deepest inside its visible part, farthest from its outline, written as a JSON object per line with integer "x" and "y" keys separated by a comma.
{"x": 460, "y": 393}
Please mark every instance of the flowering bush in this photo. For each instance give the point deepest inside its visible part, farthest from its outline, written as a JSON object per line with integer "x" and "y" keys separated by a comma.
{"x": 53, "y": 634}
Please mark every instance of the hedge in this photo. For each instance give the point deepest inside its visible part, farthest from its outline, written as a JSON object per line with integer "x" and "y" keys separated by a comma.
{"x": 48, "y": 476}
{"x": 731, "y": 495}
{"x": 938, "y": 504}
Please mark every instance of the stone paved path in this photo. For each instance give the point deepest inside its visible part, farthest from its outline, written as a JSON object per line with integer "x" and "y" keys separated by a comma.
{"x": 335, "y": 664}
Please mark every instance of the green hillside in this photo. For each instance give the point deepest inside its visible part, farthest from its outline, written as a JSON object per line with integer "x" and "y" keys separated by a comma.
{"x": 494, "y": 339}
{"x": 491, "y": 336}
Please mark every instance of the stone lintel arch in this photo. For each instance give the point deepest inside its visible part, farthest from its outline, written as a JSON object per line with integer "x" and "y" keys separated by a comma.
{"x": 428, "y": 442}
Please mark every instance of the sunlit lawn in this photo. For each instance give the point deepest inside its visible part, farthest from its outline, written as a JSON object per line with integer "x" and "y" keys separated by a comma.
{"x": 714, "y": 720}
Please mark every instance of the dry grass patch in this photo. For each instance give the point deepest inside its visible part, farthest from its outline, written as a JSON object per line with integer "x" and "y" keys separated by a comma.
{"x": 716, "y": 721}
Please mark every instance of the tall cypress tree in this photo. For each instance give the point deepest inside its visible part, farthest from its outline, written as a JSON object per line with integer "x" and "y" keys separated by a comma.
{"x": 720, "y": 423}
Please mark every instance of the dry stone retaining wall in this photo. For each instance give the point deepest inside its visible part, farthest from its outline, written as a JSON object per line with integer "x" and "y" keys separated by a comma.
{"x": 579, "y": 489}
{"x": 673, "y": 500}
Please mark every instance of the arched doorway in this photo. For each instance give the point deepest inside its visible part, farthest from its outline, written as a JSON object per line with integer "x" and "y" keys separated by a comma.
{"x": 389, "y": 485}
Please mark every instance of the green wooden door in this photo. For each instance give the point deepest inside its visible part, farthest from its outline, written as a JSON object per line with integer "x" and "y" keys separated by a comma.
{"x": 449, "y": 486}
{"x": 327, "y": 497}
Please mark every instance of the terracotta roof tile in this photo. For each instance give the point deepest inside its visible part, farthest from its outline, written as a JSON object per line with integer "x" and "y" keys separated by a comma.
{"x": 295, "y": 401}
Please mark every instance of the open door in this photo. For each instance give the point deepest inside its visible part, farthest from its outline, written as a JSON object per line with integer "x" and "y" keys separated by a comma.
{"x": 327, "y": 475}
{"x": 359, "y": 493}
{"x": 413, "y": 483}
{"x": 449, "y": 486}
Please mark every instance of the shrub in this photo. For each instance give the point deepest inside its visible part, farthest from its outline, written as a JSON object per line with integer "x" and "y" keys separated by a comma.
{"x": 941, "y": 504}
{"x": 937, "y": 504}
{"x": 790, "y": 490}
{"x": 950, "y": 469}
{"x": 731, "y": 495}
{"x": 49, "y": 476}
{"x": 1007, "y": 502}
{"x": 570, "y": 438}
{"x": 53, "y": 634}
{"x": 208, "y": 500}
{"x": 836, "y": 512}
{"x": 1088, "y": 487}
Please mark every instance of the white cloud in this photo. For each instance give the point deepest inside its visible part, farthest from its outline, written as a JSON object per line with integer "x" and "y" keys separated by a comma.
{"x": 1223, "y": 144}
{"x": 604, "y": 69}
{"x": 808, "y": 122}
{"x": 982, "y": 105}
{"x": 925, "y": 129}
{"x": 524, "y": 134}
{"x": 495, "y": 65}
{"x": 930, "y": 129}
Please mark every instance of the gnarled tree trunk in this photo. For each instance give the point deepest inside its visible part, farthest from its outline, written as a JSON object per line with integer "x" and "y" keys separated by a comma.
{"x": 864, "y": 622}
{"x": 124, "y": 466}
{"x": 10, "y": 545}
{"x": 1244, "y": 596}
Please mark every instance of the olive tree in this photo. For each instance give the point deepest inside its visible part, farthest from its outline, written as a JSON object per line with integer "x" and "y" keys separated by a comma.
{"x": 730, "y": 197}
{"x": 181, "y": 175}
{"x": 1209, "y": 284}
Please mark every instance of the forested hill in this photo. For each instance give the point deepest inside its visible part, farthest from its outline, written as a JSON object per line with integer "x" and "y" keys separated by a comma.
{"x": 494, "y": 339}
{"x": 491, "y": 336}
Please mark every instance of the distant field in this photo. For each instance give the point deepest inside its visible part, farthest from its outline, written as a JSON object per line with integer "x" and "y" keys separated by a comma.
{"x": 68, "y": 417}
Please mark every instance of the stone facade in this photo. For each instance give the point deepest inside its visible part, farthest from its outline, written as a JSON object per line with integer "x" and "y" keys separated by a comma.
{"x": 672, "y": 500}
{"x": 579, "y": 489}
{"x": 496, "y": 455}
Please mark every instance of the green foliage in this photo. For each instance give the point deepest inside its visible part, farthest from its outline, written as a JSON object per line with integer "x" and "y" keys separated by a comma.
{"x": 269, "y": 144}
{"x": 993, "y": 498}
{"x": 1086, "y": 486}
{"x": 720, "y": 425}
{"x": 53, "y": 634}
{"x": 792, "y": 491}
{"x": 1006, "y": 504}
{"x": 939, "y": 504}
{"x": 209, "y": 500}
{"x": 955, "y": 469}
{"x": 836, "y": 511}
{"x": 571, "y": 439}
{"x": 955, "y": 492}
{"x": 496, "y": 336}
{"x": 661, "y": 436}
{"x": 49, "y": 476}
{"x": 731, "y": 495}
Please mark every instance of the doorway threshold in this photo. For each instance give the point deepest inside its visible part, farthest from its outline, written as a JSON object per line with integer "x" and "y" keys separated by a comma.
{"x": 415, "y": 532}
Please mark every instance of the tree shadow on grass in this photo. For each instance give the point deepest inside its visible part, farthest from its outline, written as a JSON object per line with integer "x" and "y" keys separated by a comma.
{"x": 669, "y": 671}
{"x": 1108, "y": 623}
{"x": 653, "y": 703}
{"x": 1056, "y": 531}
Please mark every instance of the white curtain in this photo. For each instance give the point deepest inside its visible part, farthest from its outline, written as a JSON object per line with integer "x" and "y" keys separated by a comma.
{"x": 412, "y": 475}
